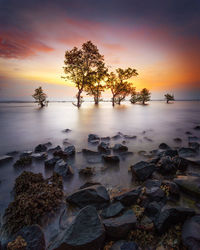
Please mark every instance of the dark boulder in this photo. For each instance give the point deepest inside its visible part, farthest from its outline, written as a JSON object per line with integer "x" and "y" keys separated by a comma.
{"x": 119, "y": 227}
{"x": 112, "y": 210}
{"x": 60, "y": 153}
{"x": 120, "y": 148}
{"x": 51, "y": 162}
{"x": 40, "y": 148}
{"x": 86, "y": 232}
{"x": 181, "y": 163}
{"x": 168, "y": 217}
{"x": 166, "y": 166}
{"x": 197, "y": 127}
{"x": 23, "y": 161}
{"x": 128, "y": 198}
{"x": 105, "y": 138}
{"x": 62, "y": 168}
{"x": 124, "y": 245}
{"x": 111, "y": 158}
{"x": 169, "y": 152}
{"x": 87, "y": 171}
{"x": 164, "y": 146}
{"x": 54, "y": 149}
{"x": 152, "y": 183}
{"x": 190, "y": 233}
{"x": 143, "y": 170}
{"x": 70, "y": 150}
{"x": 34, "y": 237}
{"x": 95, "y": 195}
{"x": 187, "y": 152}
{"x": 171, "y": 189}
{"x": 194, "y": 145}
{"x": 104, "y": 148}
{"x": 155, "y": 194}
{"x": 153, "y": 209}
{"x": 39, "y": 156}
{"x": 67, "y": 130}
{"x": 129, "y": 137}
{"x": 189, "y": 184}
{"x": 92, "y": 137}
{"x": 178, "y": 140}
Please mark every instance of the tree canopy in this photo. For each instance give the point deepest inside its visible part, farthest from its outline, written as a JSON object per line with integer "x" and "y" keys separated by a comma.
{"x": 40, "y": 97}
{"x": 169, "y": 97}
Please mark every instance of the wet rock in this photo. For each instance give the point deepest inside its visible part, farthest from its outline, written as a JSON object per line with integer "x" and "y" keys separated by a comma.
{"x": 197, "y": 127}
{"x": 152, "y": 183}
{"x": 89, "y": 152}
{"x": 148, "y": 139}
{"x": 120, "y": 226}
{"x": 39, "y": 156}
{"x": 190, "y": 233}
{"x": 57, "y": 148}
{"x": 34, "y": 237}
{"x": 166, "y": 165}
{"x": 188, "y": 133}
{"x": 120, "y": 148}
{"x": 146, "y": 224}
{"x": 153, "y": 209}
{"x": 89, "y": 184}
{"x": 106, "y": 138}
{"x": 23, "y": 161}
{"x": 189, "y": 184}
{"x": 62, "y": 168}
{"x": 104, "y": 148}
{"x": 94, "y": 142}
{"x": 168, "y": 217}
{"x": 60, "y": 153}
{"x": 67, "y": 130}
{"x": 169, "y": 152}
{"x": 178, "y": 140}
{"x": 124, "y": 245}
{"x": 193, "y": 138}
{"x": 181, "y": 163}
{"x": 26, "y": 153}
{"x": 155, "y": 194}
{"x": 92, "y": 137}
{"x": 5, "y": 158}
{"x": 128, "y": 198}
{"x": 112, "y": 210}
{"x": 130, "y": 137}
{"x": 87, "y": 171}
{"x": 86, "y": 232}
{"x": 143, "y": 170}
{"x": 164, "y": 146}
{"x": 70, "y": 150}
{"x": 154, "y": 159}
{"x": 194, "y": 145}
{"x": 51, "y": 162}
{"x": 111, "y": 159}
{"x": 40, "y": 148}
{"x": 95, "y": 195}
{"x": 171, "y": 189}
{"x": 187, "y": 152}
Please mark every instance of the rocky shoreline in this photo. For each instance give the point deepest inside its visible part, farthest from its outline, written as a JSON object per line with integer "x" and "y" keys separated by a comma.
{"x": 148, "y": 216}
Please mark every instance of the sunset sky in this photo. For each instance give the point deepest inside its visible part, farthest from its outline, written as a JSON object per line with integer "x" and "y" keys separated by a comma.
{"x": 161, "y": 39}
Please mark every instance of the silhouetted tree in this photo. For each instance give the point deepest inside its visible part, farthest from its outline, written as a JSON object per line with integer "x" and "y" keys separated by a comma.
{"x": 134, "y": 96}
{"x": 118, "y": 85}
{"x": 81, "y": 65}
{"x": 40, "y": 97}
{"x": 144, "y": 96}
{"x": 169, "y": 97}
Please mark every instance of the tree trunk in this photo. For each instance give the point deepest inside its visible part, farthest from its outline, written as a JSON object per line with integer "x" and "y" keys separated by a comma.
{"x": 41, "y": 104}
{"x": 143, "y": 102}
{"x": 113, "y": 101}
{"x": 79, "y": 99}
{"x": 167, "y": 101}
{"x": 96, "y": 100}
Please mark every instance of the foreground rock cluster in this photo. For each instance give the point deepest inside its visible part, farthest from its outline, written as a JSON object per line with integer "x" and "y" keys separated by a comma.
{"x": 148, "y": 216}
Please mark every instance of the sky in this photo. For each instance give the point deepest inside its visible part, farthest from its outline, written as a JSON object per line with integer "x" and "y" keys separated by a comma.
{"x": 161, "y": 39}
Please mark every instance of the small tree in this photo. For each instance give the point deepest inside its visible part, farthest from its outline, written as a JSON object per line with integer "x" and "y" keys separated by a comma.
{"x": 144, "y": 96}
{"x": 134, "y": 96}
{"x": 40, "y": 97}
{"x": 118, "y": 85}
{"x": 169, "y": 97}
{"x": 81, "y": 66}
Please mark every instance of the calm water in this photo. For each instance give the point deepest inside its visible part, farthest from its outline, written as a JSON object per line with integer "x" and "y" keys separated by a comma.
{"x": 23, "y": 126}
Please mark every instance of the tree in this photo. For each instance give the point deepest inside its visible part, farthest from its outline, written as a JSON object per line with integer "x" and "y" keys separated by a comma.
{"x": 169, "y": 97}
{"x": 81, "y": 66}
{"x": 134, "y": 96}
{"x": 144, "y": 96}
{"x": 118, "y": 85}
{"x": 40, "y": 97}
{"x": 96, "y": 86}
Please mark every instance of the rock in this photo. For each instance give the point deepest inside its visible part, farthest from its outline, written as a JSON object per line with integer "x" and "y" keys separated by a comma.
{"x": 148, "y": 139}
{"x": 170, "y": 216}
{"x": 106, "y": 138}
{"x": 154, "y": 159}
{"x": 128, "y": 198}
{"x": 189, "y": 184}
{"x": 23, "y": 161}
{"x": 181, "y": 163}
{"x": 95, "y": 195}
{"x": 164, "y": 146}
{"x": 169, "y": 152}
{"x": 152, "y": 183}
{"x": 92, "y": 137}
{"x": 94, "y": 142}
{"x": 120, "y": 148}
{"x": 124, "y": 245}
{"x": 5, "y": 158}
{"x": 34, "y": 237}
{"x": 146, "y": 224}
{"x": 130, "y": 137}
{"x": 190, "y": 233}
{"x": 87, "y": 171}
{"x": 120, "y": 226}
{"x": 57, "y": 148}
{"x": 197, "y": 127}
{"x": 104, "y": 148}
{"x": 194, "y": 145}
{"x": 188, "y": 133}
{"x": 112, "y": 210}
{"x": 171, "y": 189}
{"x": 60, "y": 153}
{"x": 89, "y": 184}
{"x": 62, "y": 168}
{"x": 51, "y": 162}
{"x": 67, "y": 130}
{"x": 155, "y": 194}
{"x": 70, "y": 150}
{"x": 178, "y": 140}
{"x": 26, "y": 153}
{"x": 86, "y": 232}
{"x": 40, "y": 148}
{"x": 111, "y": 158}
{"x": 166, "y": 166}
{"x": 187, "y": 152}
{"x": 193, "y": 138}
{"x": 117, "y": 136}
{"x": 143, "y": 170}
{"x": 153, "y": 209}
{"x": 39, "y": 156}
{"x": 89, "y": 152}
